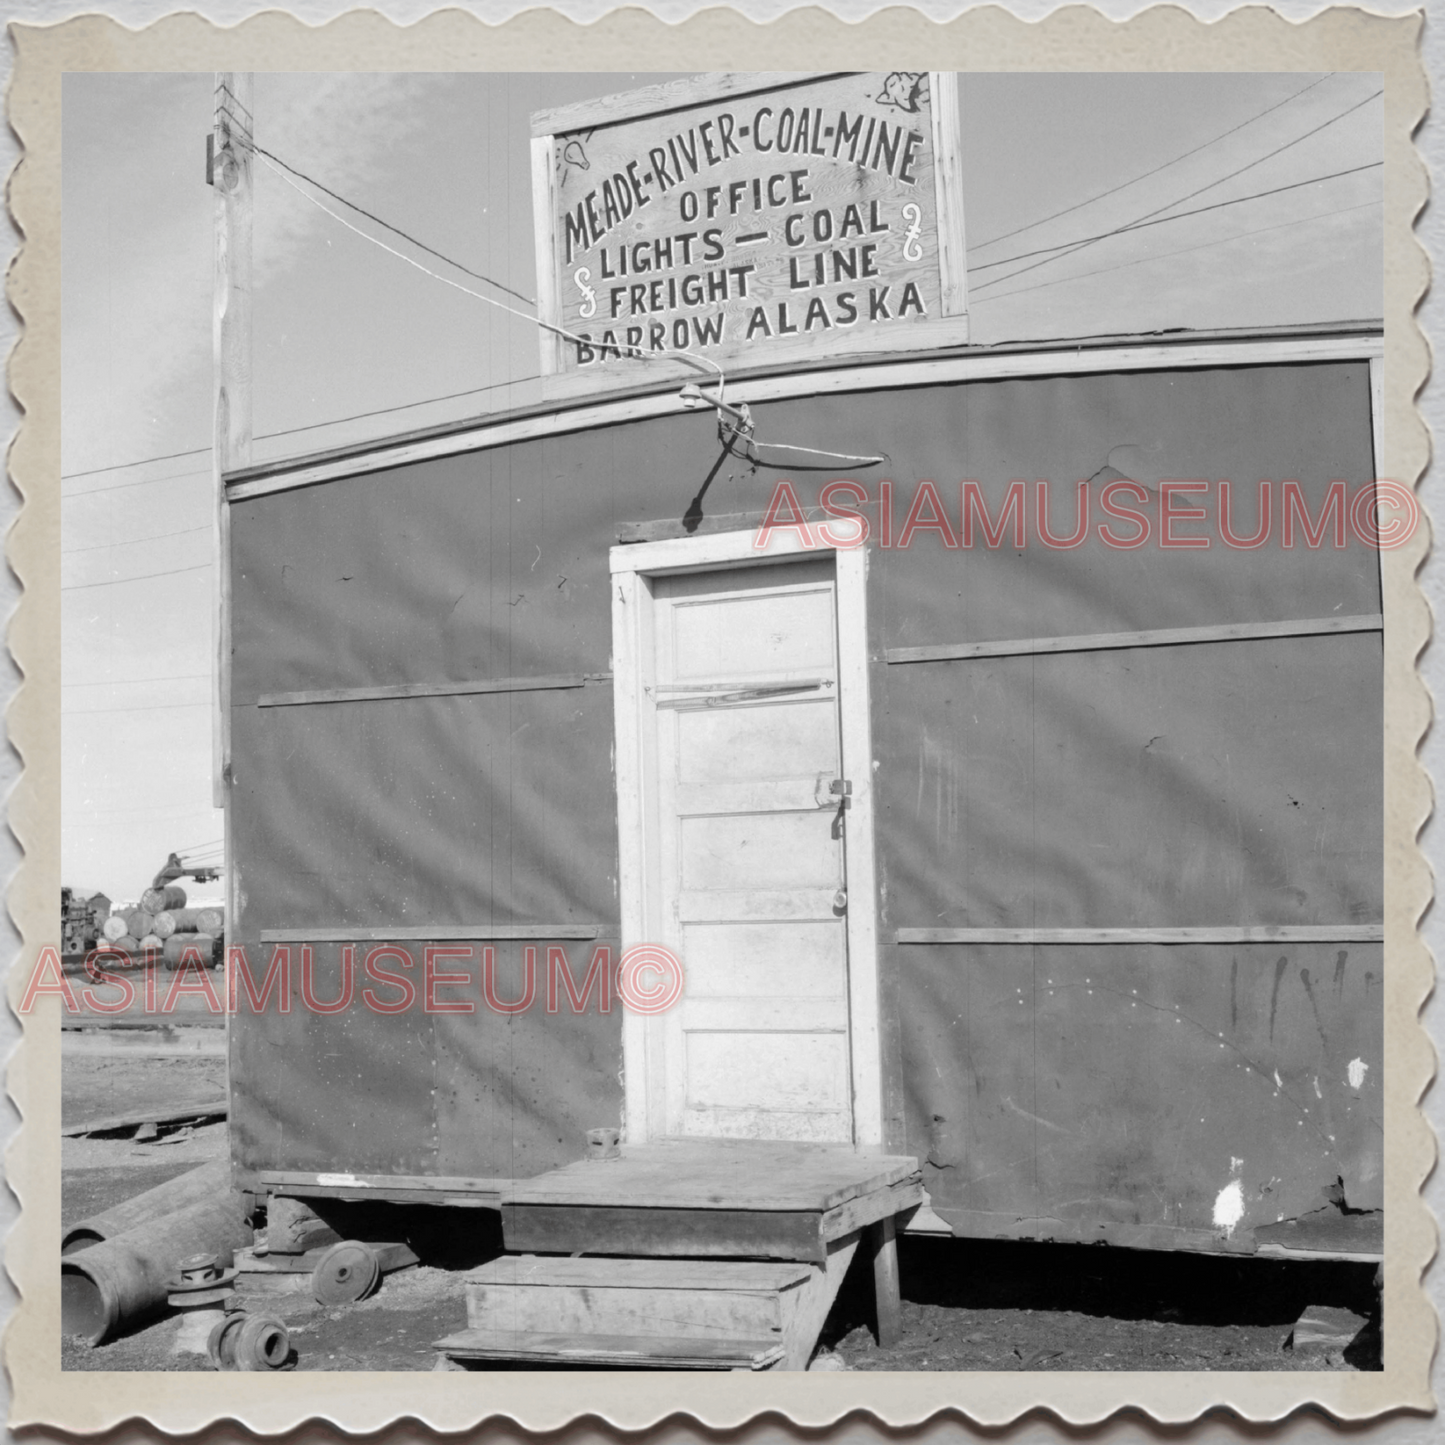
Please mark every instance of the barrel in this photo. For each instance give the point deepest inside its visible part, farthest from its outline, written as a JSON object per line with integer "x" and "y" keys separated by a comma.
{"x": 159, "y": 900}
{"x": 114, "y": 927}
{"x": 152, "y": 943}
{"x": 181, "y": 948}
{"x": 138, "y": 922}
{"x": 164, "y": 924}
{"x": 210, "y": 920}
{"x": 185, "y": 920}
{"x": 128, "y": 946}
{"x": 121, "y": 1282}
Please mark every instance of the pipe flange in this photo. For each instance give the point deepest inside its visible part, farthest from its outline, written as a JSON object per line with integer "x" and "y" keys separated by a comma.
{"x": 199, "y": 1272}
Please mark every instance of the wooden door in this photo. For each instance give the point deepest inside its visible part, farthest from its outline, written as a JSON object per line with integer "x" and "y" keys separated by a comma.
{"x": 751, "y": 859}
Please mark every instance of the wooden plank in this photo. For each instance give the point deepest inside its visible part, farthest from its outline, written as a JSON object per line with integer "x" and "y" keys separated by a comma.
{"x": 433, "y": 932}
{"x": 868, "y": 1209}
{"x": 147, "y": 1114}
{"x": 649, "y": 1351}
{"x": 599, "y": 1310}
{"x": 549, "y": 304}
{"x": 1261, "y": 933}
{"x": 945, "y": 332}
{"x": 948, "y": 188}
{"x": 862, "y": 918}
{"x": 700, "y": 1233}
{"x": 794, "y": 377}
{"x": 805, "y": 1310}
{"x": 737, "y": 1174}
{"x": 684, "y": 1298}
{"x": 633, "y": 661}
{"x": 1155, "y": 637}
{"x": 381, "y": 1186}
{"x": 1377, "y": 412}
{"x": 647, "y": 1274}
{"x": 883, "y": 1244}
{"x": 670, "y": 95}
{"x": 423, "y": 689}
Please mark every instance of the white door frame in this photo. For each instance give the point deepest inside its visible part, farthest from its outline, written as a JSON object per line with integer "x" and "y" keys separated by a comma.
{"x": 632, "y": 569}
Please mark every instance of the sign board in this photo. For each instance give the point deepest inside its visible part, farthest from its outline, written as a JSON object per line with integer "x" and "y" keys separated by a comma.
{"x": 748, "y": 219}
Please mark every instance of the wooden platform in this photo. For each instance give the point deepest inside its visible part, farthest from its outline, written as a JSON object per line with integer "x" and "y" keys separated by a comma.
{"x": 700, "y": 1254}
{"x": 640, "y": 1351}
{"x": 718, "y": 1198}
{"x": 1326, "y": 1234}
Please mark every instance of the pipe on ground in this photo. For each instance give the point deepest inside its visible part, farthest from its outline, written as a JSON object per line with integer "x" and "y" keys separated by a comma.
{"x": 121, "y": 1282}
{"x": 205, "y": 1182}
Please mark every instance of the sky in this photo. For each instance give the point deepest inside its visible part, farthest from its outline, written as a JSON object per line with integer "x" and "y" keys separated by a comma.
{"x": 351, "y": 343}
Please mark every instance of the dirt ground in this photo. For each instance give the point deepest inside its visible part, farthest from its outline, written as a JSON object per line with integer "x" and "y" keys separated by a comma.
{"x": 967, "y": 1305}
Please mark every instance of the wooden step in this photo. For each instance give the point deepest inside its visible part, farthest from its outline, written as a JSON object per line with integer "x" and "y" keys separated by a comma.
{"x": 672, "y": 1298}
{"x": 677, "y": 1303}
{"x": 652, "y": 1352}
{"x": 532, "y": 1225}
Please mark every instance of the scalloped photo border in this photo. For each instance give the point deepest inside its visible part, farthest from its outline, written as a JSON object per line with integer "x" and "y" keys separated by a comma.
{"x": 1165, "y": 38}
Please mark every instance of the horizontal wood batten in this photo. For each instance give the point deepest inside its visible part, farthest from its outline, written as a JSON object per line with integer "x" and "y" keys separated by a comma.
{"x": 383, "y": 1183}
{"x": 878, "y": 375}
{"x": 425, "y": 933}
{"x": 428, "y": 689}
{"x": 1262, "y": 933}
{"x": 1155, "y": 637}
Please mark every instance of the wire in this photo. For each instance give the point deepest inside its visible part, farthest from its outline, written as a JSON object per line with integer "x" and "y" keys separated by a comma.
{"x": 1142, "y": 225}
{"x": 1147, "y": 218}
{"x": 135, "y": 681}
{"x": 1141, "y": 260}
{"x": 269, "y": 435}
{"x": 579, "y": 341}
{"x": 159, "y": 537}
{"x": 396, "y": 230}
{"x": 125, "y": 486}
{"x": 116, "y": 581}
{"x": 1123, "y": 185}
{"x": 1278, "y": 150}
{"x": 147, "y": 707}
{"x": 168, "y": 457}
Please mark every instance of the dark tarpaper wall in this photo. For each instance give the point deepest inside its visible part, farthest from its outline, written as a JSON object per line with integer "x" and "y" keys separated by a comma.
{"x": 1046, "y": 1089}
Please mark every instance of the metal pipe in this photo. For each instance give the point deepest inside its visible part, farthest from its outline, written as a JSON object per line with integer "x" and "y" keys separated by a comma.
{"x": 121, "y": 1282}
{"x": 205, "y": 1182}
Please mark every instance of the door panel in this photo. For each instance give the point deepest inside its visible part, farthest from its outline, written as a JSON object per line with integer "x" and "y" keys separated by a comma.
{"x": 751, "y": 853}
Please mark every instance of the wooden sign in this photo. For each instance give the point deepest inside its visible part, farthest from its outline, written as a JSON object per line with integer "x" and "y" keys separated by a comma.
{"x": 748, "y": 219}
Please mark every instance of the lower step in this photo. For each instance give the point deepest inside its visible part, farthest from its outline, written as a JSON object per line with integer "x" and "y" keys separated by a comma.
{"x": 648, "y": 1351}
{"x": 668, "y": 1299}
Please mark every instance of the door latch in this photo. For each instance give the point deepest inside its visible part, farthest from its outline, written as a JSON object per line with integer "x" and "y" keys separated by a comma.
{"x": 832, "y": 792}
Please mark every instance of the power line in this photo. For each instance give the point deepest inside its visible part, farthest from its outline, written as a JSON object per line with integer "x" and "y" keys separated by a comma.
{"x": 1147, "y": 218}
{"x": 284, "y": 432}
{"x": 395, "y": 230}
{"x": 1124, "y": 185}
{"x": 116, "y": 581}
{"x": 1142, "y": 225}
{"x": 1184, "y": 251}
{"x": 106, "y": 711}
{"x": 681, "y": 352}
{"x": 125, "y": 486}
{"x": 169, "y": 457}
{"x": 134, "y": 541}
{"x": 136, "y": 681}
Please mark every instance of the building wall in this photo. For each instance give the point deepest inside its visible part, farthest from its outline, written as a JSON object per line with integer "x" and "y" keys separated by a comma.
{"x": 1049, "y": 1091}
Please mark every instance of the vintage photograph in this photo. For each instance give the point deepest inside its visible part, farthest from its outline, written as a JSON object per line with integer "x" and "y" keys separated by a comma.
{"x": 723, "y": 722}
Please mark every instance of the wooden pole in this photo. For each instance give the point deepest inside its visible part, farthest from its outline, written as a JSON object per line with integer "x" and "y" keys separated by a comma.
{"x": 883, "y": 1243}
{"x": 229, "y": 172}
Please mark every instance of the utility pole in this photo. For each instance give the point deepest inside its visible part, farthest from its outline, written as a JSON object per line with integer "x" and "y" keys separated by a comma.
{"x": 228, "y": 171}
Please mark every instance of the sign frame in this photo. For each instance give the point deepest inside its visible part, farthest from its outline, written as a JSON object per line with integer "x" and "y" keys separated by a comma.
{"x": 550, "y": 129}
